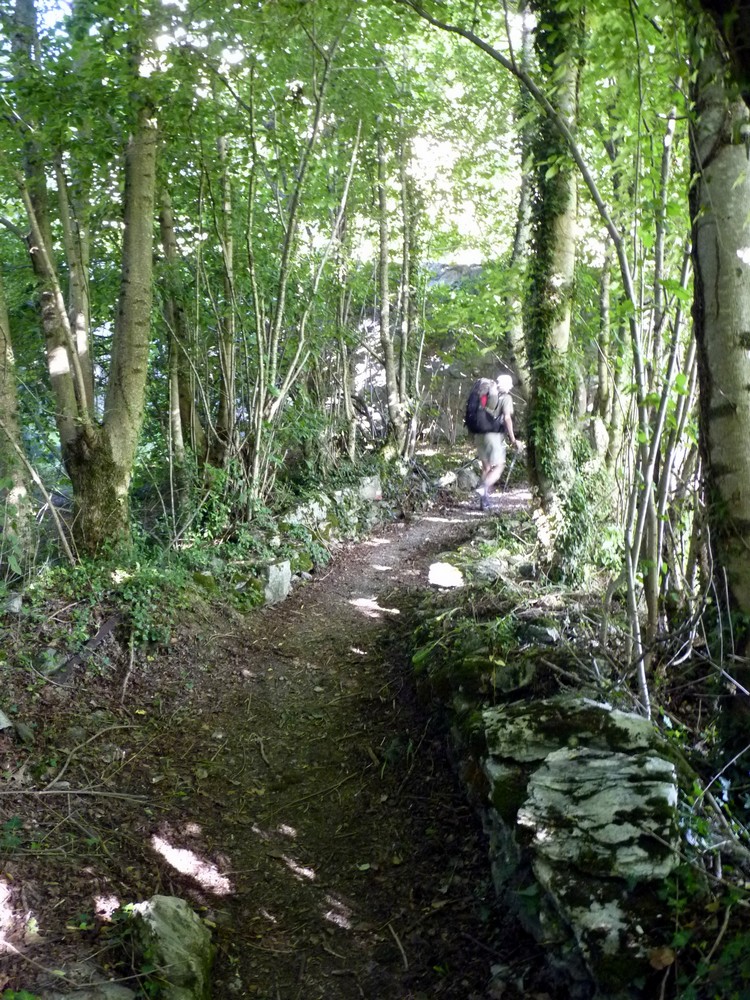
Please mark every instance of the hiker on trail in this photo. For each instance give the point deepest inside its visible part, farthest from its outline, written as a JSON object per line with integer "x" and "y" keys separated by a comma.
{"x": 489, "y": 417}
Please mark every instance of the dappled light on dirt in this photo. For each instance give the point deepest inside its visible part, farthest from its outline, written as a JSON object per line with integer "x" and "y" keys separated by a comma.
{"x": 381, "y": 568}
{"x": 105, "y": 906}
{"x": 297, "y": 869}
{"x": 339, "y": 913}
{"x": 187, "y": 862}
{"x": 6, "y": 914}
{"x": 433, "y": 519}
{"x": 370, "y": 607}
{"x": 375, "y": 542}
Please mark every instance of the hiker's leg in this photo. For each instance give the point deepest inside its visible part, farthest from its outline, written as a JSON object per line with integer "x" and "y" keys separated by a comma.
{"x": 484, "y": 456}
{"x": 497, "y": 459}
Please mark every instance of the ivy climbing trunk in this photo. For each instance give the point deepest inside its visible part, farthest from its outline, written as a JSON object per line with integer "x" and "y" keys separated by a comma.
{"x": 552, "y": 261}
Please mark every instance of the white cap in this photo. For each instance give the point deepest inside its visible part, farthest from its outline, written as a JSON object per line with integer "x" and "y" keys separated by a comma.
{"x": 504, "y": 383}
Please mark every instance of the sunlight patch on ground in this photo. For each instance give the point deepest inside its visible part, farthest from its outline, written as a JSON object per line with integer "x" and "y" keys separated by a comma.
{"x": 299, "y": 870}
{"x": 358, "y": 651}
{"x": 443, "y": 520}
{"x": 444, "y": 575}
{"x": 287, "y": 831}
{"x": 381, "y": 568}
{"x": 339, "y": 913}
{"x": 105, "y": 906}
{"x": 370, "y": 607}
{"x": 187, "y": 862}
{"x": 6, "y": 916}
{"x": 375, "y": 542}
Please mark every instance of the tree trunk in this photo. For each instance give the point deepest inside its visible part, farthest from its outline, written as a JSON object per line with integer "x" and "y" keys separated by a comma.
{"x": 180, "y": 345}
{"x": 13, "y": 481}
{"x": 515, "y": 338}
{"x": 397, "y": 427}
{"x": 552, "y": 267}
{"x": 721, "y": 312}
{"x": 221, "y": 446}
{"x": 99, "y": 458}
{"x": 126, "y": 394}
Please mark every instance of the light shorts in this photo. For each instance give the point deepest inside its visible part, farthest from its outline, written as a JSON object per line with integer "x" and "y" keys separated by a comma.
{"x": 491, "y": 448}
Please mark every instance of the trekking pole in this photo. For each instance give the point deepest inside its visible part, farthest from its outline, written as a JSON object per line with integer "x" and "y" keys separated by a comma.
{"x": 510, "y": 470}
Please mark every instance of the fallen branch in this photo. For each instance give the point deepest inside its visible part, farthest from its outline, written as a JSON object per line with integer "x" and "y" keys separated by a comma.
{"x": 313, "y": 795}
{"x": 77, "y": 791}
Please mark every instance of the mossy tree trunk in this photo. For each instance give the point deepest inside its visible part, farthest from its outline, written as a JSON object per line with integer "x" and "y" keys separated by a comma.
{"x": 98, "y": 455}
{"x": 552, "y": 262}
{"x": 106, "y": 517}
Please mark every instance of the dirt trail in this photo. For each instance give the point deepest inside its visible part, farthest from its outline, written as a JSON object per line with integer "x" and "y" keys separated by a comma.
{"x": 298, "y": 795}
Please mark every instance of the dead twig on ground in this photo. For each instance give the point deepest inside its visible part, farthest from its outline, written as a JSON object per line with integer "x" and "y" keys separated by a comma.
{"x": 400, "y": 947}
{"x": 256, "y": 739}
{"x": 317, "y": 793}
{"x": 76, "y": 791}
{"x": 74, "y": 751}
{"x": 129, "y": 671}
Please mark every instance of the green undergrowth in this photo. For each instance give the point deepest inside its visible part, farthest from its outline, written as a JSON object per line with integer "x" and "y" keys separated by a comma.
{"x": 215, "y": 556}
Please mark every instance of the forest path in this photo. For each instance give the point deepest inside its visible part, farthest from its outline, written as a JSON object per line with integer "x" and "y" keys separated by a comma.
{"x": 356, "y": 867}
{"x": 297, "y": 795}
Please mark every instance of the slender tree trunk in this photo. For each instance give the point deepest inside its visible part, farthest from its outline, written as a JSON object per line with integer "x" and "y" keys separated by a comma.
{"x": 397, "y": 428}
{"x": 515, "y": 336}
{"x": 225, "y": 418}
{"x": 17, "y": 534}
{"x": 180, "y": 342}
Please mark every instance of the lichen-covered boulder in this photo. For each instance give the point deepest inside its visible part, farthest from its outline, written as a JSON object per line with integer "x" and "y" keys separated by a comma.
{"x": 168, "y": 933}
{"x": 467, "y": 479}
{"x": 582, "y": 816}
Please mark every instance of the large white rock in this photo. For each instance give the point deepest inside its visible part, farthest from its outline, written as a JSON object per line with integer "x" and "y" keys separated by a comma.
{"x": 443, "y": 574}
{"x": 370, "y": 488}
{"x": 277, "y": 578}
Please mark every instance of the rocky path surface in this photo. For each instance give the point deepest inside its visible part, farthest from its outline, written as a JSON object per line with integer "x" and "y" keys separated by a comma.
{"x": 298, "y": 796}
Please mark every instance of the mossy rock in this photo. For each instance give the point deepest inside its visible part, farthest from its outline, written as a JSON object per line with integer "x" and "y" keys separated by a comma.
{"x": 301, "y": 562}
{"x": 207, "y": 581}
